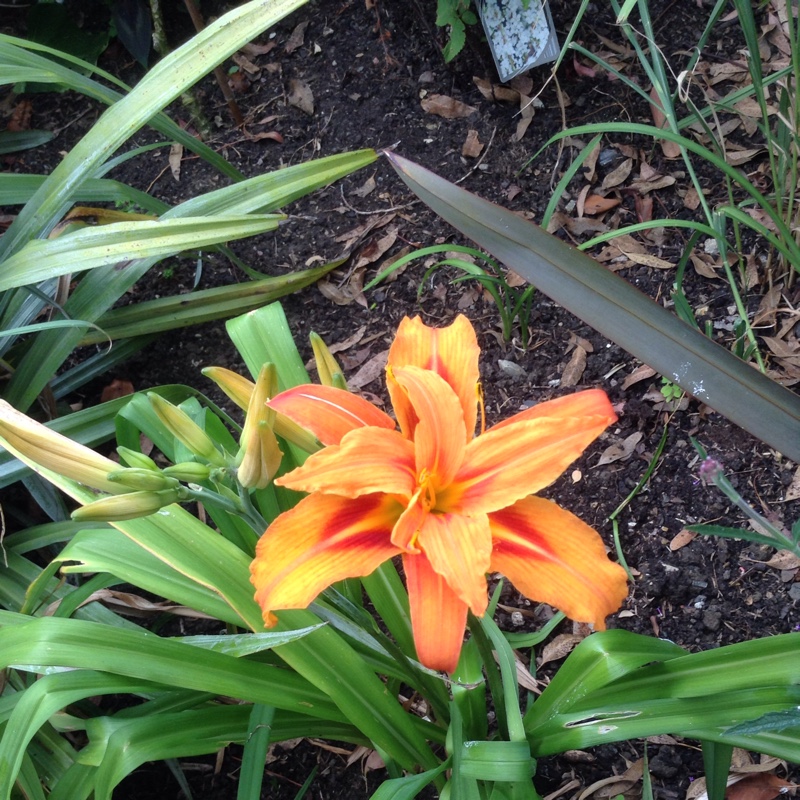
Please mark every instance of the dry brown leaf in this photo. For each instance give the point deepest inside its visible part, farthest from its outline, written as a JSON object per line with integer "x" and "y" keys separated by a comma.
{"x": 135, "y": 605}
{"x": 527, "y": 109}
{"x": 615, "y": 785}
{"x": 641, "y": 373}
{"x": 175, "y": 156}
{"x": 704, "y": 265}
{"x": 618, "y": 175}
{"x": 472, "y": 146}
{"x": 644, "y": 186}
{"x": 620, "y": 451}
{"x": 374, "y": 249}
{"x": 372, "y": 370}
{"x": 297, "y": 37}
{"x": 448, "y": 107}
{"x": 669, "y": 149}
{"x": 494, "y": 92}
{"x": 648, "y": 260}
{"x": 761, "y": 786}
{"x": 738, "y": 157}
{"x": 301, "y": 96}
{"x": 573, "y": 372}
{"x": 784, "y": 559}
{"x": 691, "y": 199}
{"x": 559, "y": 648}
{"x": 245, "y": 64}
{"x": 793, "y": 492}
{"x": 21, "y": 117}
{"x": 116, "y": 389}
{"x": 681, "y": 540}
{"x": 768, "y": 307}
{"x": 253, "y": 49}
{"x": 366, "y": 188}
{"x": 595, "y": 204}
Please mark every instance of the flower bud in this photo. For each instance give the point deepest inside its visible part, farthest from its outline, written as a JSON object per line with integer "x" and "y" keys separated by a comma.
{"x": 143, "y": 479}
{"x": 330, "y": 373}
{"x": 186, "y": 430}
{"x": 189, "y": 471}
{"x": 261, "y": 455}
{"x": 236, "y": 386}
{"x": 133, "y": 458}
{"x": 40, "y": 446}
{"x": 126, "y": 506}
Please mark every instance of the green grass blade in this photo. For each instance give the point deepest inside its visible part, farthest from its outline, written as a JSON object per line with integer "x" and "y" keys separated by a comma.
{"x": 618, "y": 311}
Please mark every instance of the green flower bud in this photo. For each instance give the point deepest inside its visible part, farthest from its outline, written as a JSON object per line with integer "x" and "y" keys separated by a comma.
{"x": 186, "y": 430}
{"x": 189, "y": 471}
{"x": 133, "y": 458}
{"x": 236, "y": 386}
{"x": 143, "y": 479}
{"x": 330, "y": 373}
{"x": 126, "y": 506}
{"x": 260, "y": 453}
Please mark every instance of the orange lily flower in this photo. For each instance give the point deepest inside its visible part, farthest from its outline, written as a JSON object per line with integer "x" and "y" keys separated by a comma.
{"x": 454, "y": 505}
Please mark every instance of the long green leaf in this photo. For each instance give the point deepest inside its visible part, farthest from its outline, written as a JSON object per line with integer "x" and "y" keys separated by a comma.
{"x": 51, "y": 642}
{"x": 192, "y": 308}
{"x": 163, "y": 84}
{"x": 608, "y": 690}
{"x": 618, "y": 311}
{"x": 92, "y": 247}
{"x": 99, "y": 289}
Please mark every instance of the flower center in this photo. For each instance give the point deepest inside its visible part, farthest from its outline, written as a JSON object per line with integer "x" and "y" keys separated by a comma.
{"x": 427, "y": 490}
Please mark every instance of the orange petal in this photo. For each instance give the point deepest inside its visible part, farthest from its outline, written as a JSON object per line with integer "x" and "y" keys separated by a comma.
{"x": 510, "y": 462}
{"x": 589, "y": 403}
{"x": 368, "y": 460}
{"x": 459, "y": 549}
{"x": 329, "y": 413}
{"x": 451, "y": 352}
{"x": 438, "y": 617}
{"x": 439, "y": 436}
{"x": 553, "y": 557}
{"x": 323, "y": 539}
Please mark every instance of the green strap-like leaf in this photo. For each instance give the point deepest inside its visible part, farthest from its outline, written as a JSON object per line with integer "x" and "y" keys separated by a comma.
{"x": 618, "y": 310}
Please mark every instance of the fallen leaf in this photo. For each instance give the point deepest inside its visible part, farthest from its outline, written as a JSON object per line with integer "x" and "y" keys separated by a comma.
{"x": 573, "y": 372}
{"x": 681, "y": 540}
{"x": 618, "y": 174}
{"x": 793, "y": 492}
{"x": 648, "y": 260}
{"x": 596, "y": 204}
{"x": 366, "y": 188}
{"x": 704, "y": 265}
{"x": 620, "y": 451}
{"x": 582, "y": 70}
{"x": 371, "y": 371}
{"x": 763, "y": 786}
{"x": 175, "y": 156}
{"x": 21, "y": 117}
{"x": 559, "y": 648}
{"x": 641, "y": 373}
{"x": 116, "y": 389}
{"x": 496, "y": 92}
{"x": 297, "y": 37}
{"x": 691, "y": 199}
{"x": 472, "y": 146}
{"x": 374, "y": 249}
{"x": 784, "y": 559}
{"x": 448, "y": 107}
{"x": 668, "y": 148}
{"x": 245, "y": 64}
{"x": 301, "y": 96}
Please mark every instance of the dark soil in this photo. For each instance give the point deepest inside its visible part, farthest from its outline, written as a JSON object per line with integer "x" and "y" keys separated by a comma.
{"x": 367, "y": 69}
